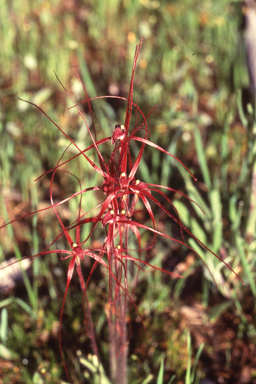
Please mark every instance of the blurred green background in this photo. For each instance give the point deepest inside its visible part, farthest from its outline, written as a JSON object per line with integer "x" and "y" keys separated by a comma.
{"x": 192, "y": 65}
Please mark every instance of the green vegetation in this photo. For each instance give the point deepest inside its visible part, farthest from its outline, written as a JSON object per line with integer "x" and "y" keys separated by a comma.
{"x": 191, "y": 66}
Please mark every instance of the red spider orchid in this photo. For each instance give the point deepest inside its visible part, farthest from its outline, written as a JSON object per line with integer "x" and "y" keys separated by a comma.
{"x": 117, "y": 214}
{"x": 122, "y": 193}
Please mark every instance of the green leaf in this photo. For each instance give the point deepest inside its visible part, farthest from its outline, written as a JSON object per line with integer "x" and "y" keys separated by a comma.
{"x": 202, "y": 158}
{"x": 218, "y": 309}
{"x": 198, "y": 231}
{"x": 183, "y": 212}
{"x": 4, "y": 325}
{"x": 7, "y": 354}
{"x": 160, "y": 377}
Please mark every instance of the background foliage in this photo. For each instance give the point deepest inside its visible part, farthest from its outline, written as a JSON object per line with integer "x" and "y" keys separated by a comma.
{"x": 191, "y": 65}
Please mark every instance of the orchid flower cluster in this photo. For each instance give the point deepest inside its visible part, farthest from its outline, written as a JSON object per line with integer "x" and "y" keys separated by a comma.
{"x": 123, "y": 193}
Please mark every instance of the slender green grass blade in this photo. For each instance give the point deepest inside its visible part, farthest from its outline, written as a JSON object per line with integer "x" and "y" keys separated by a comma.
{"x": 247, "y": 268}
{"x": 188, "y": 371}
{"x": 198, "y": 354}
{"x": 216, "y": 205}
{"x": 148, "y": 379}
{"x": 25, "y": 306}
{"x": 240, "y": 109}
{"x": 202, "y": 158}
{"x": 160, "y": 377}
{"x": 4, "y": 325}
